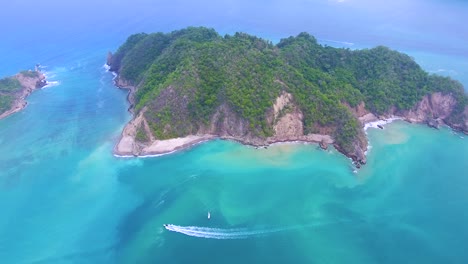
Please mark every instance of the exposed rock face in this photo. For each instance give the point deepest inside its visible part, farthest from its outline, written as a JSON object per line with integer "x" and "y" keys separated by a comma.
{"x": 359, "y": 149}
{"x": 127, "y": 146}
{"x": 31, "y": 83}
{"x": 226, "y": 123}
{"x": 287, "y": 118}
{"x": 359, "y": 110}
{"x": 323, "y": 145}
{"x": 436, "y": 109}
{"x": 437, "y": 106}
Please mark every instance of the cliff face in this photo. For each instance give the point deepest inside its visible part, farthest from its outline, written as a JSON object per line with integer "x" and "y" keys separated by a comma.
{"x": 195, "y": 83}
{"x": 438, "y": 109}
{"x": 284, "y": 117}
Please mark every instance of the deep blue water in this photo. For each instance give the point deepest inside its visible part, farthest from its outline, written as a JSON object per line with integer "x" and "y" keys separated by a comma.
{"x": 65, "y": 199}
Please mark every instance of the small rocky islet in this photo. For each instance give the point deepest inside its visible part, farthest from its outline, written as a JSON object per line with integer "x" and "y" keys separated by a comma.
{"x": 15, "y": 89}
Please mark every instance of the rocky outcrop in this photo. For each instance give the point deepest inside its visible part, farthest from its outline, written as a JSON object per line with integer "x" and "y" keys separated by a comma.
{"x": 436, "y": 106}
{"x": 435, "y": 110}
{"x": 358, "y": 150}
{"x": 29, "y": 81}
{"x": 128, "y": 144}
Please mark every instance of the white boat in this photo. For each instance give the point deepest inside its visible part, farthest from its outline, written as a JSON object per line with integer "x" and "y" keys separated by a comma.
{"x": 209, "y": 215}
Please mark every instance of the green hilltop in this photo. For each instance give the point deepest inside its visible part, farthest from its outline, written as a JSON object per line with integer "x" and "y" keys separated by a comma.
{"x": 182, "y": 79}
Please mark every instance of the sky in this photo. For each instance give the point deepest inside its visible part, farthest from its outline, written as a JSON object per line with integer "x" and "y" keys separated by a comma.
{"x": 430, "y": 25}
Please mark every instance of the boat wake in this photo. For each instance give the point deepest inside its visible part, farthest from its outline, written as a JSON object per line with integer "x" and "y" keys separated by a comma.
{"x": 243, "y": 233}
{"x": 219, "y": 233}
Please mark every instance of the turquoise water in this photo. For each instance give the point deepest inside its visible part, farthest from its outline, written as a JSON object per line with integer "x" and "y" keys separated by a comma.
{"x": 64, "y": 198}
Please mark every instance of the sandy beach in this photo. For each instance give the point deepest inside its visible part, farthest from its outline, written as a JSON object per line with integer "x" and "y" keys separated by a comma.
{"x": 128, "y": 147}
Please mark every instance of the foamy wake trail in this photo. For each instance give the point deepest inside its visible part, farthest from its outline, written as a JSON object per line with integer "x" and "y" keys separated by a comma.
{"x": 219, "y": 233}
{"x": 240, "y": 233}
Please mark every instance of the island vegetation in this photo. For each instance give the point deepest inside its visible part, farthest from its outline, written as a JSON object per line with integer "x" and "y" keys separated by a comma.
{"x": 194, "y": 81}
{"x": 14, "y": 90}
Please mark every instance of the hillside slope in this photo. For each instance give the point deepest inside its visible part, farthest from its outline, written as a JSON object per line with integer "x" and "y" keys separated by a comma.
{"x": 194, "y": 82}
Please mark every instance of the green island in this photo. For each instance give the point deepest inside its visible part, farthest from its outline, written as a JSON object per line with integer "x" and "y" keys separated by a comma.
{"x": 15, "y": 89}
{"x": 192, "y": 85}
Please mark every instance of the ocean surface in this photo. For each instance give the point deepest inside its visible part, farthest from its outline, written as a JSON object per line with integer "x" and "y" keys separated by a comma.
{"x": 64, "y": 198}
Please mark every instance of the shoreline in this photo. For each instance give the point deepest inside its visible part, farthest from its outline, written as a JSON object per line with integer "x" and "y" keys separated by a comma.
{"x": 185, "y": 143}
{"x": 128, "y": 147}
{"x": 174, "y": 145}
{"x": 29, "y": 85}
{"x": 175, "y": 148}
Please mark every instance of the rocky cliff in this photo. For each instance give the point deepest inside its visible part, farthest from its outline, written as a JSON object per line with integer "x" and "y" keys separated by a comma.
{"x": 192, "y": 85}
{"x": 286, "y": 121}
{"x": 437, "y": 109}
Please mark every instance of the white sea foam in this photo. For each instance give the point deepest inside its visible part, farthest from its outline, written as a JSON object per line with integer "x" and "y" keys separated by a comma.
{"x": 383, "y": 122}
{"x": 218, "y": 233}
{"x": 240, "y": 233}
{"x": 107, "y": 68}
{"x": 144, "y": 156}
{"x": 49, "y": 75}
{"x": 292, "y": 142}
{"x": 157, "y": 155}
{"x": 51, "y": 84}
{"x": 124, "y": 156}
{"x": 369, "y": 147}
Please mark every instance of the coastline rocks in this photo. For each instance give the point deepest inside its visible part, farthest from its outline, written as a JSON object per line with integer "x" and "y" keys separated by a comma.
{"x": 438, "y": 109}
{"x": 323, "y": 145}
{"x": 436, "y": 105}
{"x": 434, "y": 123}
